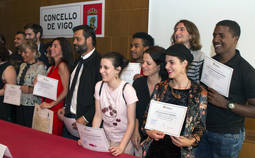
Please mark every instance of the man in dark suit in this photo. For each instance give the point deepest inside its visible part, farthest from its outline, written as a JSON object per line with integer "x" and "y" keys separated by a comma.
{"x": 35, "y": 32}
{"x": 80, "y": 103}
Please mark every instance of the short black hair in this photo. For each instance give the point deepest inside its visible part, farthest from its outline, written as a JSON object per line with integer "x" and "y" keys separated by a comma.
{"x": 4, "y": 53}
{"x": 35, "y": 27}
{"x": 87, "y": 32}
{"x": 21, "y": 32}
{"x": 2, "y": 40}
{"x": 147, "y": 39}
{"x": 233, "y": 26}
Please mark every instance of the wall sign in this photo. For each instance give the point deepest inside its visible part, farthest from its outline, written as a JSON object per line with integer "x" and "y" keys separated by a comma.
{"x": 58, "y": 20}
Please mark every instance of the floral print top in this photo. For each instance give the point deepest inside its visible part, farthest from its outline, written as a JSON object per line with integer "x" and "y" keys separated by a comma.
{"x": 194, "y": 125}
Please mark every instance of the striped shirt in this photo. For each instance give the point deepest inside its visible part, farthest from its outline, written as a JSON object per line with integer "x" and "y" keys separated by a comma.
{"x": 195, "y": 66}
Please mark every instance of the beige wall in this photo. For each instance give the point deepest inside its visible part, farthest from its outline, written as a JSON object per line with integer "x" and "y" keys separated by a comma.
{"x": 122, "y": 19}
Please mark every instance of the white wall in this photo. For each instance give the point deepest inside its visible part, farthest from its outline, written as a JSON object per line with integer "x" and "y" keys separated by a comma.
{"x": 163, "y": 15}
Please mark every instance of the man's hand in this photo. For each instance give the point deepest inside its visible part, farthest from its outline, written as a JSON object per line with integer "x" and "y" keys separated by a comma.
{"x": 136, "y": 139}
{"x": 61, "y": 113}
{"x": 216, "y": 99}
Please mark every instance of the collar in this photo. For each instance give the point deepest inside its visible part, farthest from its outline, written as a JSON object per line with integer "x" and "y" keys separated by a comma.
{"x": 233, "y": 61}
{"x": 88, "y": 55}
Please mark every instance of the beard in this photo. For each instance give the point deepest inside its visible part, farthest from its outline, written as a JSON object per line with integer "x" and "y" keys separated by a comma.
{"x": 80, "y": 49}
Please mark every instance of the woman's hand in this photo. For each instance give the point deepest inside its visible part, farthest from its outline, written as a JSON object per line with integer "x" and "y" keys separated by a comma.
{"x": 182, "y": 141}
{"x": 116, "y": 150}
{"x": 45, "y": 105}
{"x": 136, "y": 139}
{"x": 25, "y": 89}
{"x": 156, "y": 135}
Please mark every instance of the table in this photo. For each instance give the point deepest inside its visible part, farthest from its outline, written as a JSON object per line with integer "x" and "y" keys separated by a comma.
{"x": 25, "y": 142}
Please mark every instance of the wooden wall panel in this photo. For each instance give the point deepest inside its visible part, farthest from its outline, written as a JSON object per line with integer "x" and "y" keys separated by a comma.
{"x": 122, "y": 19}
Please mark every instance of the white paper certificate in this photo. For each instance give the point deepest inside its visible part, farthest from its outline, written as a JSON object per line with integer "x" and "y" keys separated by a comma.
{"x": 68, "y": 123}
{"x": 4, "y": 151}
{"x": 12, "y": 94}
{"x": 130, "y": 71}
{"x": 217, "y": 76}
{"x": 93, "y": 138}
{"x": 42, "y": 119}
{"x": 165, "y": 117}
{"x": 46, "y": 87}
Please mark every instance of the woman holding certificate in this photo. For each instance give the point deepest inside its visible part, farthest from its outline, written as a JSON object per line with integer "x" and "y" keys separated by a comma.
{"x": 61, "y": 52}
{"x": 153, "y": 67}
{"x": 28, "y": 72}
{"x": 179, "y": 90}
{"x": 115, "y": 104}
{"x": 8, "y": 76}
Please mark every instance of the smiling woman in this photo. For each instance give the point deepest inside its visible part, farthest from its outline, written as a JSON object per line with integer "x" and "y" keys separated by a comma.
{"x": 115, "y": 104}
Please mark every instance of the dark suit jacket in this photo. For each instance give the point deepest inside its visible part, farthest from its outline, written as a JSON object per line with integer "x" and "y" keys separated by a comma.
{"x": 85, "y": 95}
{"x": 43, "y": 57}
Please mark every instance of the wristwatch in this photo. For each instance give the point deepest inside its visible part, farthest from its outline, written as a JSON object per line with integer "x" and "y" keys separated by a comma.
{"x": 231, "y": 106}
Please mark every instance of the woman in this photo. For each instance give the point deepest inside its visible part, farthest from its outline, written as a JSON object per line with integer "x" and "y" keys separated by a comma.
{"x": 153, "y": 67}
{"x": 61, "y": 52}
{"x": 181, "y": 91}
{"x": 115, "y": 104}
{"x": 28, "y": 72}
{"x": 8, "y": 76}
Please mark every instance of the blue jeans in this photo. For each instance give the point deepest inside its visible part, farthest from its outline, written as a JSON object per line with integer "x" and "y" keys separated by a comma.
{"x": 218, "y": 145}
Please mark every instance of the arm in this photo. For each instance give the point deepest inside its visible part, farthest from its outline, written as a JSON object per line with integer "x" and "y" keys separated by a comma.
{"x": 136, "y": 138}
{"x": 130, "y": 128}
{"x": 98, "y": 115}
{"x": 64, "y": 75}
{"x": 9, "y": 76}
{"x": 247, "y": 110}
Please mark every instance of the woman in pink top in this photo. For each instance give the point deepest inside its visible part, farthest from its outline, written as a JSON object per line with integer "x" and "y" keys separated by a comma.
{"x": 115, "y": 104}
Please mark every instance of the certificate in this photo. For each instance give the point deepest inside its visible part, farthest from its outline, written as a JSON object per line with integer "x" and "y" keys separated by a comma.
{"x": 46, "y": 87}
{"x": 12, "y": 94}
{"x": 42, "y": 119}
{"x": 165, "y": 117}
{"x": 69, "y": 125}
{"x": 130, "y": 71}
{"x": 93, "y": 138}
{"x": 217, "y": 76}
{"x": 4, "y": 151}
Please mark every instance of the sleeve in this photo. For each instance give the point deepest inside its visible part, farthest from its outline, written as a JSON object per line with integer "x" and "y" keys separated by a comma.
{"x": 130, "y": 94}
{"x": 201, "y": 124}
{"x": 248, "y": 75}
{"x": 97, "y": 88}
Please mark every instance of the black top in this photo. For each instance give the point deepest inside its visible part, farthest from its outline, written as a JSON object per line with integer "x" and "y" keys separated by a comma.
{"x": 242, "y": 87}
{"x": 143, "y": 95}
{"x": 85, "y": 95}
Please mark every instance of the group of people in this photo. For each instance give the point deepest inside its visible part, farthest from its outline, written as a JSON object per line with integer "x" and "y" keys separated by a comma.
{"x": 91, "y": 90}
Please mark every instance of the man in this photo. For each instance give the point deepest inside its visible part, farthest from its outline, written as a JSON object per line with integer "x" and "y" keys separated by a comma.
{"x": 141, "y": 42}
{"x": 35, "y": 32}
{"x": 225, "y": 117}
{"x": 19, "y": 40}
{"x": 186, "y": 32}
{"x": 80, "y": 103}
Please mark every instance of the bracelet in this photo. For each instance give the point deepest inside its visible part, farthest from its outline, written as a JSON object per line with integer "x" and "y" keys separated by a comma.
{"x": 196, "y": 141}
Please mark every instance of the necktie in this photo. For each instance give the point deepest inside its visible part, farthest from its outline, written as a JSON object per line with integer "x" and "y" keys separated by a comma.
{"x": 70, "y": 93}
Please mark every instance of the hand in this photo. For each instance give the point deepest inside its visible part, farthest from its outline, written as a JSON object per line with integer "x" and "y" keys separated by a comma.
{"x": 45, "y": 105}
{"x": 136, "y": 139}
{"x": 25, "y": 89}
{"x": 216, "y": 99}
{"x": 61, "y": 113}
{"x": 116, "y": 150}
{"x": 35, "y": 81}
{"x": 79, "y": 142}
{"x": 137, "y": 76}
{"x": 156, "y": 135}
{"x": 182, "y": 141}
{"x": 80, "y": 120}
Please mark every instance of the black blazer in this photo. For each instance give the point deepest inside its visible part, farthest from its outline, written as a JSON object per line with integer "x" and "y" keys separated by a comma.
{"x": 85, "y": 95}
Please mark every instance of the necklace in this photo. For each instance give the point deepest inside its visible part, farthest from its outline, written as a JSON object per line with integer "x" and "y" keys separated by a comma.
{"x": 178, "y": 95}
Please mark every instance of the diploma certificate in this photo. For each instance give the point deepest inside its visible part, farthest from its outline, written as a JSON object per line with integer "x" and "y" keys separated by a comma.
{"x": 130, "y": 71}
{"x": 12, "y": 94}
{"x": 93, "y": 138}
{"x": 165, "y": 117}
{"x": 217, "y": 76}
{"x": 4, "y": 151}
{"x": 46, "y": 87}
{"x": 68, "y": 123}
{"x": 42, "y": 119}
